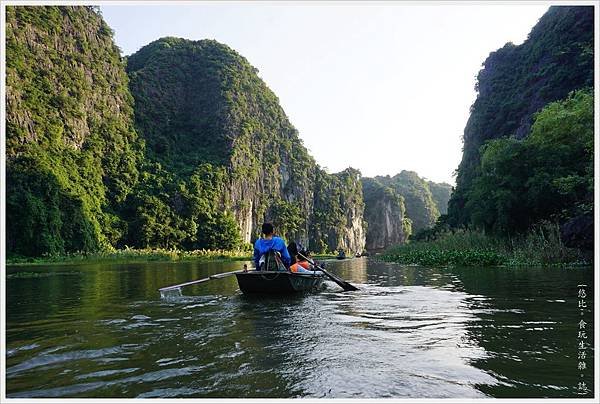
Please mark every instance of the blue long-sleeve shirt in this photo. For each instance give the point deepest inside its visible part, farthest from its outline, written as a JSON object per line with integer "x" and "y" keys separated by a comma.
{"x": 277, "y": 244}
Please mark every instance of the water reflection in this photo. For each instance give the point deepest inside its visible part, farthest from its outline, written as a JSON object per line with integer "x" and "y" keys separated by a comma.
{"x": 103, "y": 331}
{"x": 352, "y": 270}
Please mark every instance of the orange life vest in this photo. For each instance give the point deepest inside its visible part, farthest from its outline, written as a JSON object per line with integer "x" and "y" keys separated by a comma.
{"x": 303, "y": 264}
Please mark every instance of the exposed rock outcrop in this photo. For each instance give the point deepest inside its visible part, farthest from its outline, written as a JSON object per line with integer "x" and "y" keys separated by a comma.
{"x": 385, "y": 215}
{"x": 215, "y": 156}
{"x": 440, "y": 191}
{"x": 72, "y": 153}
{"x": 200, "y": 102}
{"x": 578, "y": 232}
{"x": 516, "y": 82}
{"x": 418, "y": 200}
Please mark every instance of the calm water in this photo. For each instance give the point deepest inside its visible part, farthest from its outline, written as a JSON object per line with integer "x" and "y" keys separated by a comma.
{"x": 103, "y": 331}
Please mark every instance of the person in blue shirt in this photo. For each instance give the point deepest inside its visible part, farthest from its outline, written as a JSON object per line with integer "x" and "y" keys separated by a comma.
{"x": 270, "y": 242}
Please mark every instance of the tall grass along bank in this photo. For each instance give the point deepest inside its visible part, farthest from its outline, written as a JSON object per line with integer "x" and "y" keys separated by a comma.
{"x": 540, "y": 247}
{"x": 129, "y": 255}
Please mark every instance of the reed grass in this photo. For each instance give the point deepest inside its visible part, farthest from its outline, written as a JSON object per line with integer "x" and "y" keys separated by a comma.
{"x": 542, "y": 246}
{"x": 131, "y": 255}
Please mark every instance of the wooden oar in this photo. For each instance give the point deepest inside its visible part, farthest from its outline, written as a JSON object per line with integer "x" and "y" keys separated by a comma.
{"x": 211, "y": 277}
{"x": 345, "y": 285}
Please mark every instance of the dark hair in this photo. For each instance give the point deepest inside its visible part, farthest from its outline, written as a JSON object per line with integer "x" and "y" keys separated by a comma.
{"x": 267, "y": 228}
{"x": 292, "y": 248}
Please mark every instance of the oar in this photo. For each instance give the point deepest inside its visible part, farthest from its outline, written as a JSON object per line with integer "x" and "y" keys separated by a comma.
{"x": 345, "y": 285}
{"x": 216, "y": 276}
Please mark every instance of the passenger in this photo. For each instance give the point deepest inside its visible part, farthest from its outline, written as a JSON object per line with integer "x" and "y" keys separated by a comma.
{"x": 270, "y": 242}
{"x": 302, "y": 265}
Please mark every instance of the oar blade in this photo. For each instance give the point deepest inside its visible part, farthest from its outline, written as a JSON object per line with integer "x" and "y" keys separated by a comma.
{"x": 348, "y": 286}
{"x": 343, "y": 284}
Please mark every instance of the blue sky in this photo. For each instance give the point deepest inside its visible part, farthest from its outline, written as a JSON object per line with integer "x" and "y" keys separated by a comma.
{"x": 381, "y": 87}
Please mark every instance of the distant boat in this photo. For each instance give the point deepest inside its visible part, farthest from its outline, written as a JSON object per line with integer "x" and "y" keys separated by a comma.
{"x": 358, "y": 255}
{"x": 341, "y": 255}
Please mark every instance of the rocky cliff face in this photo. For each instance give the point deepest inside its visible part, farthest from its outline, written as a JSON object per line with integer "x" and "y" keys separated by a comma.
{"x": 199, "y": 102}
{"x": 401, "y": 205}
{"x": 72, "y": 153}
{"x": 385, "y": 215}
{"x": 418, "y": 199}
{"x": 216, "y": 154}
{"x": 517, "y": 81}
{"x": 338, "y": 215}
{"x": 440, "y": 192}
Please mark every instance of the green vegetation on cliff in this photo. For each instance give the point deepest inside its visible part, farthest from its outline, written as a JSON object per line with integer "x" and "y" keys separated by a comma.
{"x": 337, "y": 218}
{"x": 183, "y": 146}
{"x": 440, "y": 192}
{"x": 398, "y": 207}
{"x": 385, "y": 215}
{"x": 526, "y": 182}
{"x": 547, "y": 175}
{"x": 170, "y": 212}
{"x": 72, "y": 153}
{"x": 211, "y": 127}
{"x": 509, "y": 184}
{"x": 215, "y": 156}
{"x": 420, "y": 205}
{"x": 222, "y": 155}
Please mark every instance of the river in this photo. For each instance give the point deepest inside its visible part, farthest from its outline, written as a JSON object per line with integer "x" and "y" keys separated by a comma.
{"x": 409, "y": 332}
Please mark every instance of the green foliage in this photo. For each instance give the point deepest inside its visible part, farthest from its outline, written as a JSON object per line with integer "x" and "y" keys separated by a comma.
{"x": 287, "y": 218}
{"x": 440, "y": 192}
{"x": 374, "y": 190}
{"x": 441, "y": 227}
{"x": 130, "y": 255}
{"x": 515, "y": 83}
{"x": 541, "y": 246}
{"x": 168, "y": 212}
{"x": 548, "y": 175}
{"x": 337, "y": 201}
{"x": 385, "y": 215}
{"x": 437, "y": 258}
{"x": 71, "y": 150}
{"x": 183, "y": 123}
{"x": 216, "y": 144}
{"x": 420, "y": 205}
{"x": 214, "y": 112}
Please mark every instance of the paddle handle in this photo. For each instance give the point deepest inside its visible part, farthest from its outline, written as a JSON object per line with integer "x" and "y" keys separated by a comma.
{"x": 184, "y": 284}
{"x": 211, "y": 277}
{"x": 345, "y": 285}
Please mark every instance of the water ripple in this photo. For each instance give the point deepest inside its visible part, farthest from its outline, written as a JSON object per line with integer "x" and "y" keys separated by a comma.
{"x": 51, "y": 359}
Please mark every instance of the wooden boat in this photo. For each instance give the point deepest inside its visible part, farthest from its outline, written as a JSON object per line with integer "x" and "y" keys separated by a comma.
{"x": 277, "y": 282}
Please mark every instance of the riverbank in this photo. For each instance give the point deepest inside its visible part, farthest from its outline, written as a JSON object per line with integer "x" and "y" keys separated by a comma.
{"x": 132, "y": 256}
{"x": 541, "y": 247}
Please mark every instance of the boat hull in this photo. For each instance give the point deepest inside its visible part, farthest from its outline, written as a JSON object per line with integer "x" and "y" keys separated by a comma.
{"x": 274, "y": 282}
